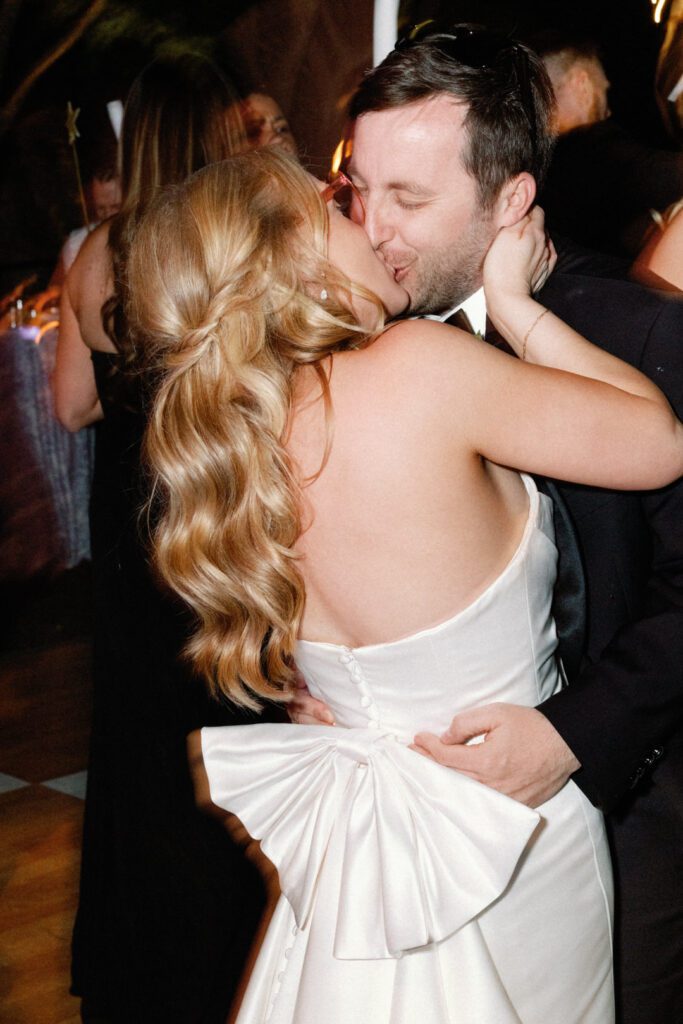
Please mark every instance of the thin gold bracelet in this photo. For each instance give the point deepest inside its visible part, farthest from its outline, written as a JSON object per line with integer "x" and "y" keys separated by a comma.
{"x": 528, "y": 333}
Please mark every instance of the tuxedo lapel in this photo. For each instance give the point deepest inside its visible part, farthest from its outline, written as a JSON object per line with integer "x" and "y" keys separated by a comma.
{"x": 496, "y": 339}
{"x": 569, "y": 596}
{"x": 460, "y": 319}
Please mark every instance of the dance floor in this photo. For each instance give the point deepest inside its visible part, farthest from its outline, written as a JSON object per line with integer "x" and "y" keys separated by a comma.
{"x": 44, "y": 722}
{"x": 45, "y": 700}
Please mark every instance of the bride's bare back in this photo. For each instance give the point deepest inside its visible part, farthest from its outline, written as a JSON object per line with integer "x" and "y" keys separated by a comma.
{"x": 405, "y": 525}
{"x": 414, "y": 515}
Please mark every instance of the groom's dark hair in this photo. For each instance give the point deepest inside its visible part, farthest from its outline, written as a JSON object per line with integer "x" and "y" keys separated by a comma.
{"x": 503, "y": 83}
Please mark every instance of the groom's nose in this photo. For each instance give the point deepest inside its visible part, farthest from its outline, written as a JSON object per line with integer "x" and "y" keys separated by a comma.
{"x": 377, "y": 224}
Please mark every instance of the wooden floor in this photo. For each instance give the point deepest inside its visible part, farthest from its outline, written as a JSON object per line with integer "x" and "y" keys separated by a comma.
{"x": 45, "y": 707}
{"x": 39, "y": 858}
{"x": 45, "y": 701}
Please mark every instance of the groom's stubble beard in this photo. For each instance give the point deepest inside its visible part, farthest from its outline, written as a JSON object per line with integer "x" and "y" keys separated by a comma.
{"x": 447, "y": 275}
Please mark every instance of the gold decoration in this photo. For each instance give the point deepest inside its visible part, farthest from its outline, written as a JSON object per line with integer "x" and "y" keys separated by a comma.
{"x": 73, "y": 134}
{"x": 659, "y": 6}
{"x": 71, "y": 118}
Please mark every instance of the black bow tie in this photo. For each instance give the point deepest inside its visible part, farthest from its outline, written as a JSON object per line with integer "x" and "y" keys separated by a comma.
{"x": 460, "y": 319}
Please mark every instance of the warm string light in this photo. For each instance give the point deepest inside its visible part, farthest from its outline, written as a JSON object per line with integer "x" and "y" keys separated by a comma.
{"x": 51, "y": 325}
{"x": 73, "y": 134}
{"x": 342, "y": 153}
{"x": 659, "y": 6}
{"x": 337, "y": 157}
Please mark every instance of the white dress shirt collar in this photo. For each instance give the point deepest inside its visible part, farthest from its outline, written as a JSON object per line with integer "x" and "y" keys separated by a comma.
{"x": 475, "y": 309}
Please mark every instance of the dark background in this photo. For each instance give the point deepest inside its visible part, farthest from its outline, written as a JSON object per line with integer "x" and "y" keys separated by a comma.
{"x": 307, "y": 53}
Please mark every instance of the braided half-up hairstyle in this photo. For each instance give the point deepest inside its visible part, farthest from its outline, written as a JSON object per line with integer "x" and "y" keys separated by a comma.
{"x": 224, "y": 287}
{"x": 181, "y": 114}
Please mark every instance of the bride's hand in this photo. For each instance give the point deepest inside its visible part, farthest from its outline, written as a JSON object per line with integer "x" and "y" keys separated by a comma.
{"x": 519, "y": 261}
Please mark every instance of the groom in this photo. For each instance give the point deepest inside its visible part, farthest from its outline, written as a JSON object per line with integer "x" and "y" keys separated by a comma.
{"x": 451, "y": 139}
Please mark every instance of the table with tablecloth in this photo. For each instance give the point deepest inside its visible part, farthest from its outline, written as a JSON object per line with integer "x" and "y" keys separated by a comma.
{"x": 45, "y": 471}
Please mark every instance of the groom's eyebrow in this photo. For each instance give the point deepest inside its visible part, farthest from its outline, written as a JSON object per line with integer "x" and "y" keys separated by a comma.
{"x": 412, "y": 187}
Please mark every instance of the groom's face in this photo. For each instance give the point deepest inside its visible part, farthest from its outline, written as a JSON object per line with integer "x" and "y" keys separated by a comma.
{"x": 422, "y": 211}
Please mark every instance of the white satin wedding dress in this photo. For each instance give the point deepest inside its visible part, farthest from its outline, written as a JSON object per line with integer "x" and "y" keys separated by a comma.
{"x": 411, "y": 894}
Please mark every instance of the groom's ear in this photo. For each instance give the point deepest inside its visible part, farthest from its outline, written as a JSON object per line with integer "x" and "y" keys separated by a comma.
{"x": 515, "y": 200}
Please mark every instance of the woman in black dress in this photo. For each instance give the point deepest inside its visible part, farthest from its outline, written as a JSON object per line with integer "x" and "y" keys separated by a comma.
{"x": 168, "y": 903}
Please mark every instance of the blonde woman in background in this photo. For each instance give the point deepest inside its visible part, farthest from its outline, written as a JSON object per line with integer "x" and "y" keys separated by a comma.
{"x": 265, "y": 124}
{"x": 168, "y": 905}
{"x": 339, "y": 497}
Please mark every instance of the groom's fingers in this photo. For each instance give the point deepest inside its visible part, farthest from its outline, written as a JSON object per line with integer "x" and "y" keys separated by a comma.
{"x": 470, "y": 724}
{"x": 302, "y": 708}
{"x": 306, "y": 710}
{"x": 462, "y": 758}
{"x": 523, "y": 756}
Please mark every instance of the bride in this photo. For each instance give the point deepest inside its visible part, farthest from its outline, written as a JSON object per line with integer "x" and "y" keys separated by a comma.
{"x": 335, "y": 494}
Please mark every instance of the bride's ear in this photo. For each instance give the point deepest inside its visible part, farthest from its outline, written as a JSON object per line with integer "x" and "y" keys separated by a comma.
{"x": 515, "y": 200}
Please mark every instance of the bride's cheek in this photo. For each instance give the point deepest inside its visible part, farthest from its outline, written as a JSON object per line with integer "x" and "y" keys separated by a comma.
{"x": 365, "y": 312}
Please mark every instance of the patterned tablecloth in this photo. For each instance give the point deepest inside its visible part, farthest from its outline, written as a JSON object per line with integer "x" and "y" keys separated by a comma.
{"x": 45, "y": 471}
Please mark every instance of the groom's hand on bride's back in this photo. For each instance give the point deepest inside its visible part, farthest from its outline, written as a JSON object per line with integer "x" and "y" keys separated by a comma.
{"x": 522, "y": 755}
{"x": 303, "y": 709}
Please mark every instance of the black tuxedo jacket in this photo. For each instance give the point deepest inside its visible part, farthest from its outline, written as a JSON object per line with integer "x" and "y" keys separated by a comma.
{"x": 602, "y": 183}
{"x": 626, "y": 701}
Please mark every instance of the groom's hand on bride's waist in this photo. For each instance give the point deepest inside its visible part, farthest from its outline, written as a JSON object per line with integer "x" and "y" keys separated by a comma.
{"x": 521, "y": 754}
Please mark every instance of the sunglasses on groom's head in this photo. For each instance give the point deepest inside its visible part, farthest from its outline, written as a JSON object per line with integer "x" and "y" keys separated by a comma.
{"x": 479, "y": 48}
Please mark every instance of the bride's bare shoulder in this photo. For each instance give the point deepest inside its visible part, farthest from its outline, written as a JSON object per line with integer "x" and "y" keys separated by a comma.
{"x": 425, "y": 345}
{"x": 416, "y": 369}
{"x": 410, "y": 331}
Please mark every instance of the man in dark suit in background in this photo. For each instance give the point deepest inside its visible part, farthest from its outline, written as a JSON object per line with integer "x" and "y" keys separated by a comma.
{"x": 452, "y": 128}
{"x": 602, "y": 182}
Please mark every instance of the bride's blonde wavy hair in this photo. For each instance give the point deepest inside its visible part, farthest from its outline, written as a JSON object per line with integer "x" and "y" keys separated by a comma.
{"x": 229, "y": 293}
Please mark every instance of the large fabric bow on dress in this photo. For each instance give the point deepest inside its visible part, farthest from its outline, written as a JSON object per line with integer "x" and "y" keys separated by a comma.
{"x": 425, "y": 849}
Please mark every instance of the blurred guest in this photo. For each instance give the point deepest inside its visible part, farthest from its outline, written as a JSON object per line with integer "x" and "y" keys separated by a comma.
{"x": 602, "y": 182}
{"x": 106, "y": 193}
{"x": 580, "y": 86}
{"x": 104, "y": 201}
{"x": 663, "y": 253}
{"x": 265, "y": 124}
{"x": 168, "y": 903}
{"x": 669, "y": 76}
